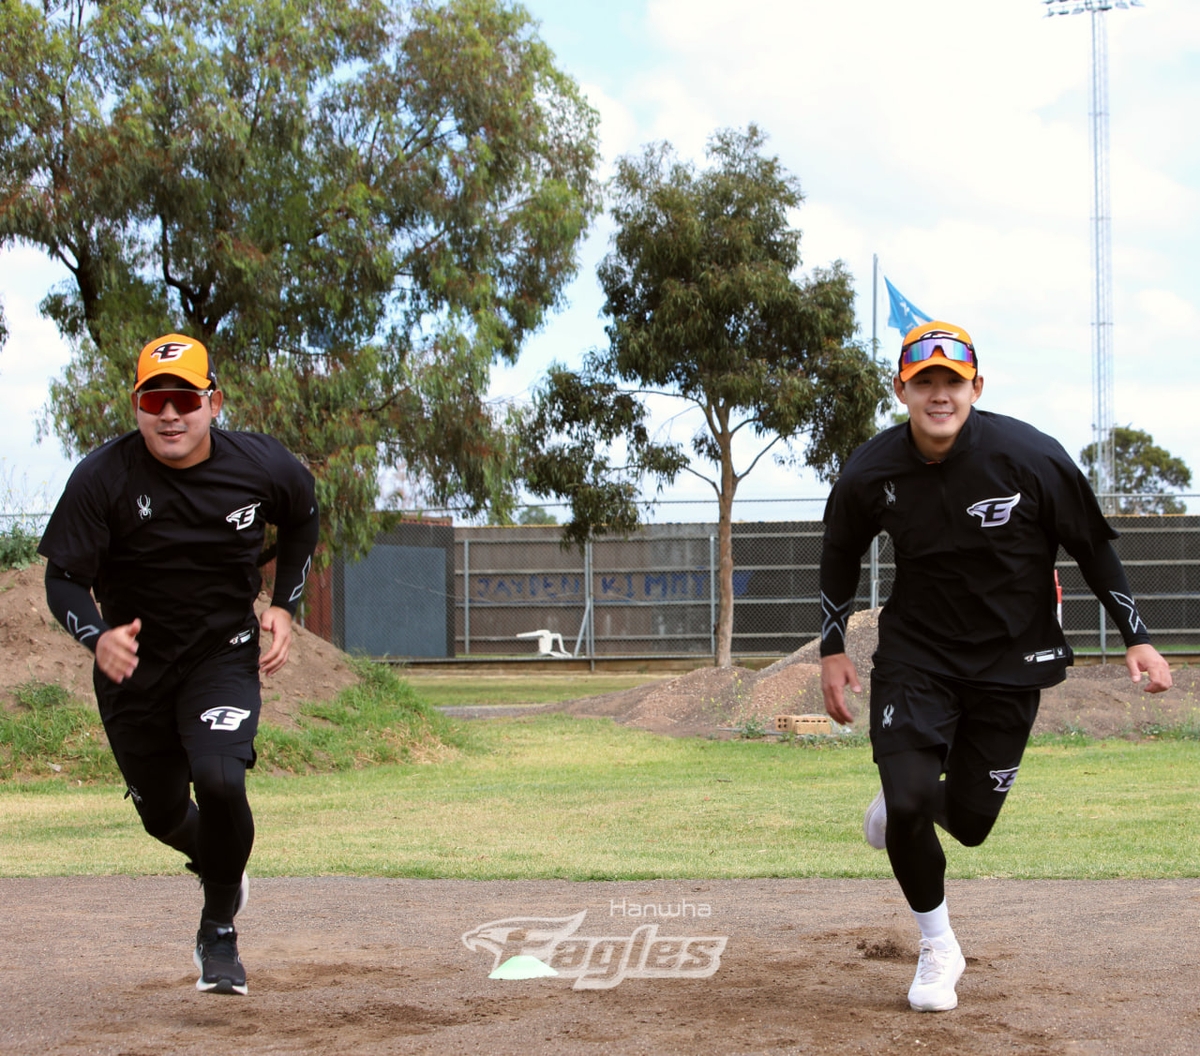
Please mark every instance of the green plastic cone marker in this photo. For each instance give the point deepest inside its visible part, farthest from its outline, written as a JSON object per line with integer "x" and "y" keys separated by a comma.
{"x": 522, "y": 967}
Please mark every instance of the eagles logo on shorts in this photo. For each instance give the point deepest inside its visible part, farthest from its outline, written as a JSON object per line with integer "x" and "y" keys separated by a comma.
{"x": 1004, "y": 778}
{"x": 225, "y": 718}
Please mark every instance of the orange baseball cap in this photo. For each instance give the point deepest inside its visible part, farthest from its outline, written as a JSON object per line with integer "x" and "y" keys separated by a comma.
{"x": 938, "y": 344}
{"x": 183, "y": 357}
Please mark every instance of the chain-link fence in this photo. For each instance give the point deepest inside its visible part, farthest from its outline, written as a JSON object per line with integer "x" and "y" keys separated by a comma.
{"x": 34, "y": 522}
{"x": 1161, "y": 555}
{"x": 655, "y": 593}
{"x": 432, "y": 589}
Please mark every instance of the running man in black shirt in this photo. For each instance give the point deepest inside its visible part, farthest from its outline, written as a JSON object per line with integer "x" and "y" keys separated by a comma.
{"x": 164, "y": 528}
{"x": 976, "y": 505}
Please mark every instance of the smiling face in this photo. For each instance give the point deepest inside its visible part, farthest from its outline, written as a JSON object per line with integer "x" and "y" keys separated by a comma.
{"x": 938, "y": 402}
{"x": 175, "y": 439}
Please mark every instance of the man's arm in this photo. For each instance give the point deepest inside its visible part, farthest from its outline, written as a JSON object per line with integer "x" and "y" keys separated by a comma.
{"x": 1078, "y": 522}
{"x": 1145, "y": 658}
{"x": 837, "y": 672}
{"x": 70, "y": 600}
{"x": 297, "y": 541}
{"x": 1104, "y": 573}
{"x": 849, "y": 529}
{"x": 839, "y": 579}
{"x": 278, "y": 623}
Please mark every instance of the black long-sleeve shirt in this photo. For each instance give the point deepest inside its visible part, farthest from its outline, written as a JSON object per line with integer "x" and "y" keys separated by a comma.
{"x": 975, "y": 538}
{"x": 177, "y": 548}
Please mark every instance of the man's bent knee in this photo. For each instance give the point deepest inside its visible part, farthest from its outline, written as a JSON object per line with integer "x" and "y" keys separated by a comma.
{"x": 219, "y": 777}
{"x": 165, "y": 825}
{"x": 911, "y": 787}
{"x": 969, "y": 827}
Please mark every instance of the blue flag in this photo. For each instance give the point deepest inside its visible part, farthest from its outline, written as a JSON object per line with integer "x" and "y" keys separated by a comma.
{"x": 903, "y": 314}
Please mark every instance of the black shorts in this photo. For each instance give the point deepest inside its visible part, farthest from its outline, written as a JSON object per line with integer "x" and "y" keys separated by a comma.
{"x": 980, "y": 732}
{"x": 211, "y": 708}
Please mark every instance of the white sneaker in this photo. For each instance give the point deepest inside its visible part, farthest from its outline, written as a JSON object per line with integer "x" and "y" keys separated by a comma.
{"x": 875, "y": 822}
{"x": 939, "y": 968}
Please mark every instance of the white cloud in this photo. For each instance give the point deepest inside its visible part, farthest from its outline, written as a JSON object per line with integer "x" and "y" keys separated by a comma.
{"x": 619, "y": 132}
{"x": 33, "y": 355}
{"x": 1163, "y": 314}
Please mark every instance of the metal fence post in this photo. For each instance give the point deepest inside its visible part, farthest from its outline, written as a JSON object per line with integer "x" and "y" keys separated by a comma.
{"x": 467, "y": 596}
{"x": 1103, "y": 636}
{"x": 712, "y": 594}
{"x": 875, "y": 572}
{"x": 590, "y": 604}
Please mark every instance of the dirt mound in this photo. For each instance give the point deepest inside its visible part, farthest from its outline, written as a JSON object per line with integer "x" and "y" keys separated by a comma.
{"x": 1096, "y": 699}
{"x": 36, "y": 648}
{"x": 696, "y": 703}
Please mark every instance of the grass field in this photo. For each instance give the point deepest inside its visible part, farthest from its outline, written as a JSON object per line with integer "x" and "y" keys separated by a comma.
{"x": 550, "y": 796}
{"x": 442, "y": 690}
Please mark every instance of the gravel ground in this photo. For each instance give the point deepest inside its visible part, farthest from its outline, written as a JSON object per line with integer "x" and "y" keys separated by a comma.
{"x": 102, "y": 966}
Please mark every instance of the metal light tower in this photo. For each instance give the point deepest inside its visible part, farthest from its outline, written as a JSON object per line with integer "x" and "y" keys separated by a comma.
{"x": 1104, "y": 476}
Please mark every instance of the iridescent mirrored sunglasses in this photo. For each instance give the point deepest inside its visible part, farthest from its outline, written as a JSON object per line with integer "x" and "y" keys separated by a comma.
{"x": 924, "y": 348}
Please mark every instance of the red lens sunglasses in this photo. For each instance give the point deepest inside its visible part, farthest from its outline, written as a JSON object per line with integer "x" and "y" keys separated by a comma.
{"x": 152, "y": 401}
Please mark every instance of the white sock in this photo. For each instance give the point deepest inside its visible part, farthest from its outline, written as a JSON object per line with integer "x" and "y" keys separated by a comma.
{"x": 936, "y": 923}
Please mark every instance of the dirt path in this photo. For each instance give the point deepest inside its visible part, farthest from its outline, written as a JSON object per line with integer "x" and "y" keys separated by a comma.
{"x": 348, "y": 966}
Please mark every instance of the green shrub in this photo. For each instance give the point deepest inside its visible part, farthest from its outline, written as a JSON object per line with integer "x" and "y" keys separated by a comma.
{"x": 50, "y": 732}
{"x": 18, "y": 547}
{"x": 379, "y": 720}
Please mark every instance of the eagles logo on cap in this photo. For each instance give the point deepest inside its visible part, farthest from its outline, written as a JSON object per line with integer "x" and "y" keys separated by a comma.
{"x": 170, "y": 350}
{"x": 177, "y": 355}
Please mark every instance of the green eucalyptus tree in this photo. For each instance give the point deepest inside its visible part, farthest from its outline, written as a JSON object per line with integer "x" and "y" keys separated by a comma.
{"x": 1145, "y": 472}
{"x": 704, "y": 308}
{"x": 359, "y": 205}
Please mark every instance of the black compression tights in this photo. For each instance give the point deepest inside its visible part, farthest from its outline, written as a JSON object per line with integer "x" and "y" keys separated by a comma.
{"x": 217, "y": 837}
{"x": 917, "y": 797}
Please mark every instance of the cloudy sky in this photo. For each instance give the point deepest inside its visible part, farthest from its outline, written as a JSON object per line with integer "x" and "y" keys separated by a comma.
{"x": 949, "y": 137}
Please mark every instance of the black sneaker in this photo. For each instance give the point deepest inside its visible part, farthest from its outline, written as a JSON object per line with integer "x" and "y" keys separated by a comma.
{"x": 217, "y": 959}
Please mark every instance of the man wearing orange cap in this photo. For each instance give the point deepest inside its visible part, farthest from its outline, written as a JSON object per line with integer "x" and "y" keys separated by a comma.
{"x": 976, "y": 505}
{"x": 164, "y": 528}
